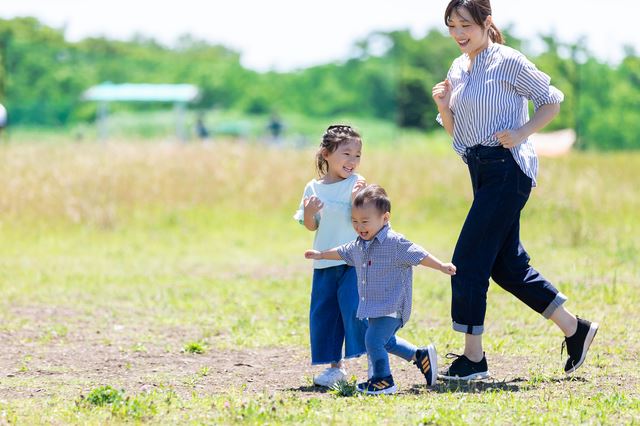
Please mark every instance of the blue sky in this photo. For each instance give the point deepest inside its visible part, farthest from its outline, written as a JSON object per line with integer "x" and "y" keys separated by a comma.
{"x": 287, "y": 34}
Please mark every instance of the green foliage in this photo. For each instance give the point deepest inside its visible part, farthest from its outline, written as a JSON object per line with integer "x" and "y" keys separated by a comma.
{"x": 104, "y": 395}
{"x": 389, "y": 76}
{"x": 345, "y": 388}
{"x": 194, "y": 348}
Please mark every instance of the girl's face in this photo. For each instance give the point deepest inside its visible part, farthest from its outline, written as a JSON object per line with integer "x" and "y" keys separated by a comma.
{"x": 342, "y": 162}
{"x": 471, "y": 37}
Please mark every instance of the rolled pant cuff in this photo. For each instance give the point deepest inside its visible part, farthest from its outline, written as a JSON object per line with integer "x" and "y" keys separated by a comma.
{"x": 468, "y": 329}
{"x": 555, "y": 304}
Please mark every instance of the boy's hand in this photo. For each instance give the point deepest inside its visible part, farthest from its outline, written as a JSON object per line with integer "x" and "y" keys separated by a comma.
{"x": 313, "y": 254}
{"x": 448, "y": 268}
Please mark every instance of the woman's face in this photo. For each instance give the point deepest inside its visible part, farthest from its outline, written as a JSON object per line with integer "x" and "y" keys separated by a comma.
{"x": 471, "y": 37}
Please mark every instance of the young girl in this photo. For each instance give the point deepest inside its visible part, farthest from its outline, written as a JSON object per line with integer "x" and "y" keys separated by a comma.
{"x": 326, "y": 209}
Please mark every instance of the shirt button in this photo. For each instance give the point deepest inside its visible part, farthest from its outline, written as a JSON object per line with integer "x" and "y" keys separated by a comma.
{"x": 363, "y": 299}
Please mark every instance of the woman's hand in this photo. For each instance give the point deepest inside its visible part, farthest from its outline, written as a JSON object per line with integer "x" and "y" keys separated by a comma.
{"x": 441, "y": 94}
{"x": 509, "y": 138}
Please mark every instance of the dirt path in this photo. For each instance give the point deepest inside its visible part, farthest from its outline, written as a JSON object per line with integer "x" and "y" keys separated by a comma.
{"x": 37, "y": 364}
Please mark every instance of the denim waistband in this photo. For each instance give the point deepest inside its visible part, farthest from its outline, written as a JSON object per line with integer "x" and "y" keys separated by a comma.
{"x": 476, "y": 149}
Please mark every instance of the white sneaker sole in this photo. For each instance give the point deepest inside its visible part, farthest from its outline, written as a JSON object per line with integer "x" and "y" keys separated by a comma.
{"x": 587, "y": 342}
{"x": 475, "y": 376}
{"x": 387, "y": 391}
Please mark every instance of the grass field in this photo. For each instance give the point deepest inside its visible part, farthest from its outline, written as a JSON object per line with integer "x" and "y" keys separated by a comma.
{"x": 165, "y": 283}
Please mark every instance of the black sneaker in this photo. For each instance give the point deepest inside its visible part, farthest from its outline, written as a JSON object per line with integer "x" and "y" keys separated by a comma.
{"x": 578, "y": 344}
{"x": 427, "y": 363}
{"x": 382, "y": 386}
{"x": 463, "y": 368}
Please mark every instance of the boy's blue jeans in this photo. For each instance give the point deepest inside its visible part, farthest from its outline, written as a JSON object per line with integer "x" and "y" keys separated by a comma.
{"x": 381, "y": 340}
{"x": 332, "y": 316}
{"x": 489, "y": 243}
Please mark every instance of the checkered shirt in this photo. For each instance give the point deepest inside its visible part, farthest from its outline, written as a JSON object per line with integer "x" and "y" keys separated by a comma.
{"x": 385, "y": 273}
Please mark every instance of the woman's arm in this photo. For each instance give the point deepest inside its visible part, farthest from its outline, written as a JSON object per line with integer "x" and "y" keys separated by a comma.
{"x": 542, "y": 117}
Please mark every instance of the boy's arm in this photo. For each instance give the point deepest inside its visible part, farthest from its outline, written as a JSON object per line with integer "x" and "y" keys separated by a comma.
{"x": 434, "y": 263}
{"x": 331, "y": 254}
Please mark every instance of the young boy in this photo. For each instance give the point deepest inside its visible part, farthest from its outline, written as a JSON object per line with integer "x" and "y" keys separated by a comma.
{"x": 383, "y": 260}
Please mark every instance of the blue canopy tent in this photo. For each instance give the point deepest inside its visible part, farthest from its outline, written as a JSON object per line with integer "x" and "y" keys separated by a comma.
{"x": 179, "y": 94}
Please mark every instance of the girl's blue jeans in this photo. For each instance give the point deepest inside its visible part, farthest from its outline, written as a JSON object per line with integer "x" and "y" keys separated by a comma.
{"x": 381, "y": 340}
{"x": 332, "y": 317}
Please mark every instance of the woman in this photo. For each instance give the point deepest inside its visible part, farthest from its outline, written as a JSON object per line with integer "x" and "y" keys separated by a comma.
{"x": 483, "y": 104}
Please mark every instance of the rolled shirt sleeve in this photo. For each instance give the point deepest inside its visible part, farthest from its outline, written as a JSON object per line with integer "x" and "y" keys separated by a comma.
{"x": 409, "y": 254}
{"x": 345, "y": 251}
{"x": 535, "y": 85}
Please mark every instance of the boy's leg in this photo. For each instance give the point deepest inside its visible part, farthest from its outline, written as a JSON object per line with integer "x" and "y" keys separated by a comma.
{"x": 378, "y": 335}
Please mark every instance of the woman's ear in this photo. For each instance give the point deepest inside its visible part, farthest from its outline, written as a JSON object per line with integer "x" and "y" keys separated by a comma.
{"x": 488, "y": 22}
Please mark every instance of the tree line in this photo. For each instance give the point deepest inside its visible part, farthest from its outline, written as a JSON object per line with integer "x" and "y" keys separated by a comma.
{"x": 389, "y": 76}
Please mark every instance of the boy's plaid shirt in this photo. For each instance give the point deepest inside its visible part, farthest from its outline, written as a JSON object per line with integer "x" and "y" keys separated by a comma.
{"x": 385, "y": 273}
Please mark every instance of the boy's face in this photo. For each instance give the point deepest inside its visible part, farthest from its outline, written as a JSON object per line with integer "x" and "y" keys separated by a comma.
{"x": 367, "y": 220}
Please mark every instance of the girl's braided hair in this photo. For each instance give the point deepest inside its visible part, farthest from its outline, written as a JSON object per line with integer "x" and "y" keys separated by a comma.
{"x": 333, "y": 137}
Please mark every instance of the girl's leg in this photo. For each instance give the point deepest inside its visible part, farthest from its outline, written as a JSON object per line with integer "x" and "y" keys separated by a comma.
{"x": 354, "y": 329}
{"x": 325, "y": 321}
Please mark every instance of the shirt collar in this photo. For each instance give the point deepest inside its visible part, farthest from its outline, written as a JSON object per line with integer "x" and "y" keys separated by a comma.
{"x": 380, "y": 236}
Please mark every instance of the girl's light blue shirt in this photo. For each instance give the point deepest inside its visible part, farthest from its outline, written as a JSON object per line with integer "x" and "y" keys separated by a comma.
{"x": 334, "y": 219}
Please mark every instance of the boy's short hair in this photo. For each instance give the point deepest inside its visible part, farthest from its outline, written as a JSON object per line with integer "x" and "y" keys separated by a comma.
{"x": 374, "y": 194}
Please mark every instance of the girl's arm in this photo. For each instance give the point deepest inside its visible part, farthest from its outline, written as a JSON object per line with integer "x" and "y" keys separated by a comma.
{"x": 542, "y": 117}
{"x": 434, "y": 263}
{"x": 331, "y": 254}
{"x": 312, "y": 205}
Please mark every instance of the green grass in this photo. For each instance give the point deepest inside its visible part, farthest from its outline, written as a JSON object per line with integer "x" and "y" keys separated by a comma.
{"x": 113, "y": 248}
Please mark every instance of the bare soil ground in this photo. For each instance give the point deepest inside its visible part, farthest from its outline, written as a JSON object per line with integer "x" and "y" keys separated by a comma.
{"x": 33, "y": 364}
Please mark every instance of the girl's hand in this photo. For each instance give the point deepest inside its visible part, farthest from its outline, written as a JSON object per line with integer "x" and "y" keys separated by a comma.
{"x": 508, "y": 138}
{"x": 441, "y": 94}
{"x": 448, "y": 268}
{"x": 313, "y": 254}
{"x": 359, "y": 185}
{"x": 312, "y": 205}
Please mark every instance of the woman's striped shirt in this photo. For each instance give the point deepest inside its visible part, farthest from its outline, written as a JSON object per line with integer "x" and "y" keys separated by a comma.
{"x": 494, "y": 96}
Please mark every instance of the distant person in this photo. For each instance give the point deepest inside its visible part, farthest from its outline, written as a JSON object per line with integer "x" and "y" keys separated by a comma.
{"x": 483, "y": 105}
{"x": 275, "y": 128}
{"x": 384, "y": 261}
{"x": 201, "y": 129}
{"x": 3, "y": 118}
{"x": 325, "y": 208}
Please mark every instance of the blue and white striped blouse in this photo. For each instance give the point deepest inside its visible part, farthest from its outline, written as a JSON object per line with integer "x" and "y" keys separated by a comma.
{"x": 494, "y": 97}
